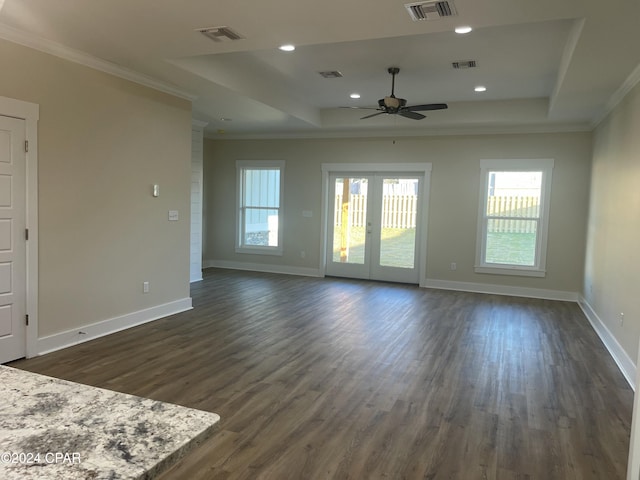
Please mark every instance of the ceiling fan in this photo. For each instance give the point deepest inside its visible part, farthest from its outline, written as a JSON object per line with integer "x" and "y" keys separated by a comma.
{"x": 392, "y": 105}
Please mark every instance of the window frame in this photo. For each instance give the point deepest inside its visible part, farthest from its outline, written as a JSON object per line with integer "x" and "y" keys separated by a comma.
{"x": 487, "y": 166}
{"x": 241, "y": 167}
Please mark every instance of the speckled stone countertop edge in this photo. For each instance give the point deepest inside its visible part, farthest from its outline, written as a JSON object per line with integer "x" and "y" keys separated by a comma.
{"x": 167, "y": 463}
{"x": 24, "y": 387}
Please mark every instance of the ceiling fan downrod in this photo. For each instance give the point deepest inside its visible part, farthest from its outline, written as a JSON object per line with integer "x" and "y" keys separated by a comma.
{"x": 393, "y": 71}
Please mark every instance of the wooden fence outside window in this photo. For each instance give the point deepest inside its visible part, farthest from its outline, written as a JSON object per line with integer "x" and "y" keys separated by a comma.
{"x": 398, "y": 211}
{"x": 510, "y": 214}
{"x": 513, "y": 214}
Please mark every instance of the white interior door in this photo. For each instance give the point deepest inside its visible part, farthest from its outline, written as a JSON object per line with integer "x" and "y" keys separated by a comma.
{"x": 12, "y": 239}
{"x": 373, "y": 226}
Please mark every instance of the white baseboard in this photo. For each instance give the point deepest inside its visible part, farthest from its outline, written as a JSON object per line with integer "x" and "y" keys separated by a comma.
{"x": 69, "y": 338}
{"x": 261, "y": 267}
{"x": 624, "y": 362}
{"x": 502, "y": 290}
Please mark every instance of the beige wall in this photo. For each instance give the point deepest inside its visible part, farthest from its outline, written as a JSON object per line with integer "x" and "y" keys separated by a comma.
{"x": 613, "y": 247}
{"x": 103, "y": 142}
{"x": 453, "y": 200}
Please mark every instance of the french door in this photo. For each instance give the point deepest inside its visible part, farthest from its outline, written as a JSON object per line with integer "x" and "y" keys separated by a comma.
{"x": 374, "y": 225}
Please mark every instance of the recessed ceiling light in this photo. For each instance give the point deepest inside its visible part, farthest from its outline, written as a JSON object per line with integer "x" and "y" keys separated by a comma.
{"x": 287, "y": 48}
{"x": 355, "y": 95}
{"x": 480, "y": 88}
{"x": 463, "y": 29}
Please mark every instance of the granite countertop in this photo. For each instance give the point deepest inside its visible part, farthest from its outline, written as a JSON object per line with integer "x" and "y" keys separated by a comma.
{"x": 54, "y": 429}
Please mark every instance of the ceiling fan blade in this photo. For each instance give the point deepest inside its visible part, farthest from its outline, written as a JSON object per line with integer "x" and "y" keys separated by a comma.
{"x": 372, "y": 115}
{"x": 361, "y": 108}
{"x": 428, "y": 106}
{"x": 412, "y": 115}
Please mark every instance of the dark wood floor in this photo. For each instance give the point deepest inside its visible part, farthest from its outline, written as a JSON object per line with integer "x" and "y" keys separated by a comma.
{"x": 329, "y": 378}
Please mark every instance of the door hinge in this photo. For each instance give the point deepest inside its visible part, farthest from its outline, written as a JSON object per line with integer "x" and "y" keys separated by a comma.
{"x": 26, "y": 145}
{"x": 26, "y": 317}
{"x": 26, "y": 234}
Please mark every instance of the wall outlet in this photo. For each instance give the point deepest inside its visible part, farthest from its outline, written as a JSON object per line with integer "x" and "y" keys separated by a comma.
{"x": 303, "y": 254}
{"x": 145, "y": 287}
{"x": 453, "y": 266}
{"x": 621, "y": 318}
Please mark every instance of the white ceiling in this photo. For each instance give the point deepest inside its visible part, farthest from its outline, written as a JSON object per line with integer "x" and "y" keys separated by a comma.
{"x": 547, "y": 64}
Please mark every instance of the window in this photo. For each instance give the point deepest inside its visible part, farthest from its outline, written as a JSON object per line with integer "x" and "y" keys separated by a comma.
{"x": 514, "y": 216}
{"x": 259, "y": 207}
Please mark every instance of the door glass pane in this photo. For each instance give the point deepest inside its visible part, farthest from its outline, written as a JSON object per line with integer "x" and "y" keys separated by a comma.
{"x": 511, "y": 242}
{"x": 350, "y": 220}
{"x": 398, "y": 228}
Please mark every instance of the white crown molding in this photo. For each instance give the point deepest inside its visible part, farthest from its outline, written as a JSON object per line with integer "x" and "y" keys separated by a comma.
{"x": 632, "y": 80}
{"x": 53, "y": 48}
{"x": 387, "y": 133}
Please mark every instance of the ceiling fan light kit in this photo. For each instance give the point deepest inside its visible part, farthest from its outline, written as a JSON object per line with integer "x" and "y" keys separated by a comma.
{"x": 392, "y": 102}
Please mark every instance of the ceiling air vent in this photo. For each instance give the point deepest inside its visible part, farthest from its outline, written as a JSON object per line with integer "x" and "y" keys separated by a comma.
{"x": 461, "y": 64}
{"x": 431, "y": 10}
{"x": 330, "y": 74}
{"x": 219, "y": 34}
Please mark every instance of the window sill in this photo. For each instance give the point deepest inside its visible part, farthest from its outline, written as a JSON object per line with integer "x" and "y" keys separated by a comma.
{"x": 509, "y": 270}
{"x": 276, "y": 251}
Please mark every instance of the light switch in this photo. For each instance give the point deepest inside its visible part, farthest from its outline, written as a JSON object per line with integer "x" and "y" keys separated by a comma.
{"x": 173, "y": 215}
{"x": 307, "y": 213}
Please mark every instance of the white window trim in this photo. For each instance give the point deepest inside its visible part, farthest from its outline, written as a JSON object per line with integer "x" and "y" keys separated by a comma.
{"x": 258, "y": 164}
{"x": 545, "y": 165}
